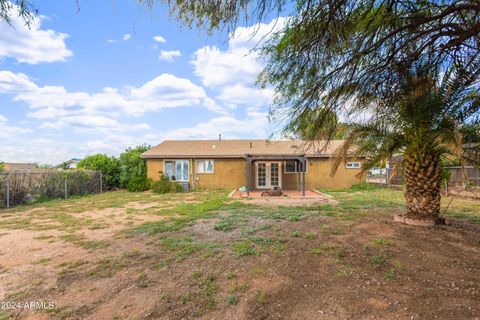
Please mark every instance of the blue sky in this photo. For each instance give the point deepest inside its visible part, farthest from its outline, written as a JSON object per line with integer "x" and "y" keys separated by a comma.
{"x": 115, "y": 75}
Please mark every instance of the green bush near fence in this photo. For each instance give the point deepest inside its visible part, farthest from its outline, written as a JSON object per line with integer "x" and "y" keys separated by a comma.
{"x": 109, "y": 166}
{"x": 132, "y": 167}
{"x": 128, "y": 171}
{"x": 138, "y": 184}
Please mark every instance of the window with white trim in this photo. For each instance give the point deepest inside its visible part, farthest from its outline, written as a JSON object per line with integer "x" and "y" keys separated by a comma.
{"x": 205, "y": 166}
{"x": 176, "y": 170}
{"x": 353, "y": 165}
{"x": 292, "y": 166}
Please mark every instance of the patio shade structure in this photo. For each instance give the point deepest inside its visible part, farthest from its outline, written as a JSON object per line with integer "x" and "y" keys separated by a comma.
{"x": 301, "y": 159}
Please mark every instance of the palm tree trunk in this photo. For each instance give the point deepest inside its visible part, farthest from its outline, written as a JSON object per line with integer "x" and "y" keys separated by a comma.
{"x": 422, "y": 177}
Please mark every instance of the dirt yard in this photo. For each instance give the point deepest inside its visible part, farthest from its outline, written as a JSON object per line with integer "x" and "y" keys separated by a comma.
{"x": 205, "y": 256}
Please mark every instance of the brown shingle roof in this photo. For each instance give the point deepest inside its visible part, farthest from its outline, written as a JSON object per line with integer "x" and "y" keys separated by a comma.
{"x": 239, "y": 148}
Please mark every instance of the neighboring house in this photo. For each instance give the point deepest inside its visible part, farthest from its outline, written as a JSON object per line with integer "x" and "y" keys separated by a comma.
{"x": 69, "y": 164}
{"x": 20, "y": 167}
{"x": 257, "y": 164}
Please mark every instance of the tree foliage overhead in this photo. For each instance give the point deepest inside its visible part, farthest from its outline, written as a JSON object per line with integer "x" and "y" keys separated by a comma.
{"x": 214, "y": 14}
{"x": 19, "y": 8}
{"x": 337, "y": 54}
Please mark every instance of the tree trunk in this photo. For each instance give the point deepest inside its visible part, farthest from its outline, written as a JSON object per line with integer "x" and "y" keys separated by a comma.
{"x": 422, "y": 177}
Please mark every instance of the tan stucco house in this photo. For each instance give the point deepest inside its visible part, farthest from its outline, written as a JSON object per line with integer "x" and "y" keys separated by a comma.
{"x": 257, "y": 164}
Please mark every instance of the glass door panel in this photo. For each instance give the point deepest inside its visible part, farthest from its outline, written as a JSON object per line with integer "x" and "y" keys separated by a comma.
{"x": 274, "y": 174}
{"x": 261, "y": 174}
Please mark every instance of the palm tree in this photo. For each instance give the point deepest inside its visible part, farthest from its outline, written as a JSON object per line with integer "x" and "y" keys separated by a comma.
{"x": 425, "y": 111}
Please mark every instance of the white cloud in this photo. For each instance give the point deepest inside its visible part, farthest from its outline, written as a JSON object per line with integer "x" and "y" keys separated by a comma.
{"x": 34, "y": 45}
{"x": 41, "y": 150}
{"x": 169, "y": 55}
{"x": 93, "y": 124}
{"x": 15, "y": 82}
{"x": 159, "y": 39}
{"x": 220, "y": 68}
{"x": 230, "y": 127}
{"x": 237, "y": 64}
{"x": 76, "y": 123}
{"x": 92, "y": 109}
{"x": 127, "y": 36}
{"x": 232, "y": 72}
{"x": 239, "y": 94}
{"x": 111, "y": 40}
{"x": 7, "y": 132}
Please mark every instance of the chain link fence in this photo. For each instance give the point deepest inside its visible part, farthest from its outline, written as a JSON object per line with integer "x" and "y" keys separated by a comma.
{"x": 27, "y": 187}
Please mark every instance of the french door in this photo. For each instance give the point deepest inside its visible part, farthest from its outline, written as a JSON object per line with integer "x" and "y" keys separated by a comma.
{"x": 268, "y": 175}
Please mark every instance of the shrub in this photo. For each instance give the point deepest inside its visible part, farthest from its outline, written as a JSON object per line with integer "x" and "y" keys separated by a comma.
{"x": 82, "y": 182}
{"x": 131, "y": 165}
{"x": 175, "y": 187}
{"x": 164, "y": 185}
{"x": 52, "y": 186}
{"x": 138, "y": 184}
{"x": 109, "y": 166}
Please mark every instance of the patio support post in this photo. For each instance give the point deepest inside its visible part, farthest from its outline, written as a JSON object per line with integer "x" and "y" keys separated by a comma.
{"x": 304, "y": 166}
{"x": 249, "y": 174}
{"x": 299, "y": 164}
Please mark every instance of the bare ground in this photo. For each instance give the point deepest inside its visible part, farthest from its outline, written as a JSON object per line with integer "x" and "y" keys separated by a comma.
{"x": 349, "y": 261}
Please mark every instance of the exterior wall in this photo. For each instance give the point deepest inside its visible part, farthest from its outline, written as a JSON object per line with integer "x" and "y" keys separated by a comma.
{"x": 318, "y": 175}
{"x": 290, "y": 180}
{"x": 154, "y": 169}
{"x": 230, "y": 174}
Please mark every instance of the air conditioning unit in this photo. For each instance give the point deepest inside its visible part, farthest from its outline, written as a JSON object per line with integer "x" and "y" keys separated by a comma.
{"x": 185, "y": 186}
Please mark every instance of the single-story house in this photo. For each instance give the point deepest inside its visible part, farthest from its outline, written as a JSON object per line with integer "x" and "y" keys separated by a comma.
{"x": 257, "y": 164}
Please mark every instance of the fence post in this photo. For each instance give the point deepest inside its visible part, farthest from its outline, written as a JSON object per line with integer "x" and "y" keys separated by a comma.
{"x": 66, "y": 190}
{"x": 7, "y": 184}
{"x": 101, "y": 182}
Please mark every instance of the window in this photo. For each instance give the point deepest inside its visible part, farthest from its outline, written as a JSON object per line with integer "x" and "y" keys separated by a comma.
{"x": 204, "y": 166}
{"x": 353, "y": 165}
{"x": 292, "y": 166}
{"x": 176, "y": 170}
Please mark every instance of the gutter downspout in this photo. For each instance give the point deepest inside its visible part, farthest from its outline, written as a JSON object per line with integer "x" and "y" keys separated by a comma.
{"x": 192, "y": 173}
